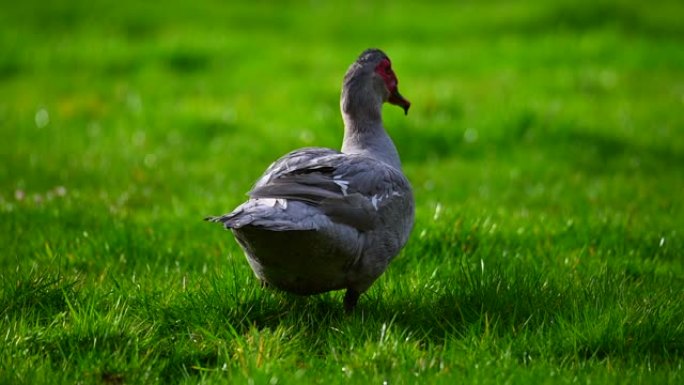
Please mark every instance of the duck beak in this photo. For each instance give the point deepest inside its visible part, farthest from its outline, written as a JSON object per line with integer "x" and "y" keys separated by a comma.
{"x": 398, "y": 100}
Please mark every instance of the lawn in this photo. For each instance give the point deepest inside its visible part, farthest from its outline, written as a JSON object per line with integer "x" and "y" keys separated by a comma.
{"x": 545, "y": 144}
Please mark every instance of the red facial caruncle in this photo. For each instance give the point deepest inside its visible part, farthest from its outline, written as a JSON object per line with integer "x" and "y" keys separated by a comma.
{"x": 384, "y": 70}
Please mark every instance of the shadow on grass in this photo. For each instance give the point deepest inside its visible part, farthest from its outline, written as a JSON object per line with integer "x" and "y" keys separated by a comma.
{"x": 516, "y": 310}
{"x": 586, "y": 319}
{"x": 598, "y": 153}
{"x": 587, "y": 149}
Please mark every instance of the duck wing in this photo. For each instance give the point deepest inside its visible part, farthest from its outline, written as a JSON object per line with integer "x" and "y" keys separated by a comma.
{"x": 351, "y": 189}
{"x": 318, "y": 185}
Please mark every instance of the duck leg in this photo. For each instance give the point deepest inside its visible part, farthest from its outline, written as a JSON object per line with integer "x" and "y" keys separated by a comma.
{"x": 351, "y": 297}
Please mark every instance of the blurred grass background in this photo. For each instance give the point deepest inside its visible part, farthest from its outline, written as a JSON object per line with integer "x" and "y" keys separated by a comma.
{"x": 545, "y": 142}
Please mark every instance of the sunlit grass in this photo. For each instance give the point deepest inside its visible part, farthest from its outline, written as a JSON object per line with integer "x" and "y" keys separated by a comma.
{"x": 545, "y": 146}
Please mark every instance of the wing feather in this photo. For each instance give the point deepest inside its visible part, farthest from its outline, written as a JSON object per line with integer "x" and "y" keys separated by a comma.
{"x": 348, "y": 188}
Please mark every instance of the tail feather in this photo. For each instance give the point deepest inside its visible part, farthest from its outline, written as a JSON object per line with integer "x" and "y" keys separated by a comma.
{"x": 230, "y": 221}
{"x": 271, "y": 214}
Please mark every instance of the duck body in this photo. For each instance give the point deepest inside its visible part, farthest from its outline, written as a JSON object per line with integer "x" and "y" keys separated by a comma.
{"x": 320, "y": 219}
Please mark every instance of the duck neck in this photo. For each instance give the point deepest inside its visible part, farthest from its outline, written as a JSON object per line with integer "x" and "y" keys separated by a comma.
{"x": 364, "y": 134}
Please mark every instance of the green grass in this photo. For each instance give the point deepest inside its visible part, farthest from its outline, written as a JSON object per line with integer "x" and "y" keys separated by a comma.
{"x": 545, "y": 145}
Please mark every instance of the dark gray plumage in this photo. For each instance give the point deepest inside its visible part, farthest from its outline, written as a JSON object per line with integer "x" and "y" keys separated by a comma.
{"x": 320, "y": 219}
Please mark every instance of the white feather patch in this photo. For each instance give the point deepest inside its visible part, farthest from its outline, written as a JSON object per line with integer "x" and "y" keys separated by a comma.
{"x": 374, "y": 202}
{"x": 344, "y": 185}
{"x": 273, "y": 202}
